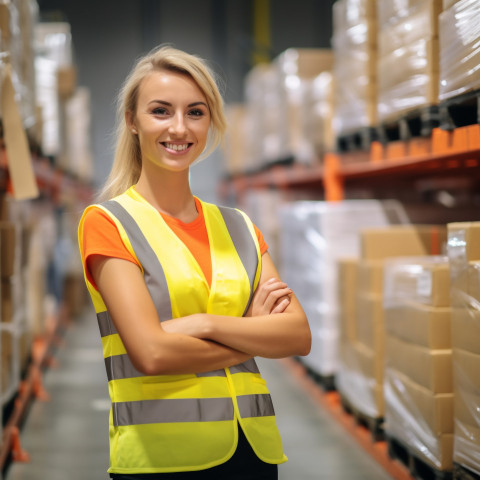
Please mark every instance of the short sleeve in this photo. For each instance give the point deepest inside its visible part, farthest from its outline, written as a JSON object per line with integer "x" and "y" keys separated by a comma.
{"x": 261, "y": 240}
{"x": 101, "y": 237}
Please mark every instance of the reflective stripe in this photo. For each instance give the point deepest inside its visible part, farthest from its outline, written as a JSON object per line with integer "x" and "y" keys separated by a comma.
{"x": 153, "y": 270}
{"x": 244, "y": 244}
{"x": 250, "y": 366}
{"x": 120, "y": 367}
{"x": 172, "y": 411}
{"x": 255, "y": 405}
{"x": 105, "y": 324}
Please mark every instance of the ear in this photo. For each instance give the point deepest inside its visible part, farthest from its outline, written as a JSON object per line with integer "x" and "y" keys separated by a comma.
{"x": 130, "y": 121}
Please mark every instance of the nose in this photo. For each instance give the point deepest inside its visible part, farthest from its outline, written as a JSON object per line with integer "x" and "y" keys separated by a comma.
{"x": 177, "y": 126}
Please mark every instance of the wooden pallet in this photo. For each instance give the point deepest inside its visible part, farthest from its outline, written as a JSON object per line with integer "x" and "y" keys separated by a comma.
{"x": 419, "y": 468}
{"x": 373, "y": 424}
{"x": 460, "y": 111}
{"x": 416, "y": 123}
{"x": 461, "y": 472}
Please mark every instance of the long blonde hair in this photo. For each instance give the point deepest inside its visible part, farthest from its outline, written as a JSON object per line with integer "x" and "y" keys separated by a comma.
{"x": 127, "y": 161}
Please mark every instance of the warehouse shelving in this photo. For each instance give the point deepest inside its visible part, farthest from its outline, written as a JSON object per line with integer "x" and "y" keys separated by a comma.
{"x": 27, "y": 385}
{"x": 445, "y": 153}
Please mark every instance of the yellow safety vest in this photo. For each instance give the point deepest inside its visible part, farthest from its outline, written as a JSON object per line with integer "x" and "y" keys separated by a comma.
{"x": 170, "y": 423}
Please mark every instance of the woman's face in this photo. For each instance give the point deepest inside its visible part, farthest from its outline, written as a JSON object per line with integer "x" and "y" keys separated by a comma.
{"x": 172, "y": 120}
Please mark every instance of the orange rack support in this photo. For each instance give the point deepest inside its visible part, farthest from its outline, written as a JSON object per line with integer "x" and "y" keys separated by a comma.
{"x": 332, "y": 178}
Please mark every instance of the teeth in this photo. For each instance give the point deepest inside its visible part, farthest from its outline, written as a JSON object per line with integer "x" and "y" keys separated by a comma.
{"x": 178, "y": 148}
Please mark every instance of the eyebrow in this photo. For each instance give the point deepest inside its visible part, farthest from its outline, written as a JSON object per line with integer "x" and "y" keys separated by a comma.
{"x": 168, "y": 104}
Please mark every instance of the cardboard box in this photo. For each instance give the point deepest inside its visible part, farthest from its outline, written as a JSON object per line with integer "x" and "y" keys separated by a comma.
{"x": 464, "y": 241}
{"x": 347, "y": 282}
{"x": 421, "y": 325}
{"x": 467, "y": 406}
{"x": 466, "y": 329}
{"x": 402, "y": 240}
{"x": 431, "y": 413}
{"x": 467, "y": 446}
{"x": 423, "y": 280}
{"x": 432, "y": 369}
{"x": 369, "y": 324}
{"x": 370, "y": 277}
{"x": 466, "y": 371}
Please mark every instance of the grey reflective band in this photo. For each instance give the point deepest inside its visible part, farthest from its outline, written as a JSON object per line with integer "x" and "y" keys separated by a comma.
{"x": 213, "y": 373}
{"x": 255, "y": 405}
{"x": 175, "y": 410}
{"x": 120, "y": 367}
{"x": 243, "y": 242}
{"x": 105, "y": 324}
{"x": 153, "y": 270}
{"x": 250, "y": 366}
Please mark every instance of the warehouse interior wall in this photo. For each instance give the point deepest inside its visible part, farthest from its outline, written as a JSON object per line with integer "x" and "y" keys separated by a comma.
{"x": 109, "y": 35}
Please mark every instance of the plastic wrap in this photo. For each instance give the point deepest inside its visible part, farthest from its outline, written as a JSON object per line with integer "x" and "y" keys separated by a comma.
{"x": 354, "y": 43}
{"x": 418, "y": 357}
{"x": 19, "y": 20}
{"x": 314, "y": 235}
{"x": 265, "y": 107}
{"x": 459, "y": 34}
{"x": 408, "y": 59}
{"x": 278, "y": 96}
{"x": 464, "y": 257}
{"x": 297, "y": 69}
{"x": 54, "y": 52}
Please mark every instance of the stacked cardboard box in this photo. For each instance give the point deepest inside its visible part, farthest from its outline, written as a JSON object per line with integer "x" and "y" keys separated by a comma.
{"x": 360, "y": 377}
{"x": 408, "y": 56}
{"x": 459, "y": 53}
{"x": 278, "y": 97}
{"x": 354, "y": 44}
{"x": 418, "y": 358}
{"x": 313, "y": 236}
{"x": 464, "y": 257}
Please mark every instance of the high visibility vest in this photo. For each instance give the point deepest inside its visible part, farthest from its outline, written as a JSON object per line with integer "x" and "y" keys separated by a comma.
{"x": 170, "y": 423}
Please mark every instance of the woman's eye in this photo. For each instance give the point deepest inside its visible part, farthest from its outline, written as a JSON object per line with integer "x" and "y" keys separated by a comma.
{"x": 196, "y": 113}
{"x": 160, "y": 111}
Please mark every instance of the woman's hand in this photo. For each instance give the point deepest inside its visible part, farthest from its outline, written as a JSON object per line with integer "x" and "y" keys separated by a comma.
{"x": 272, "y": 296}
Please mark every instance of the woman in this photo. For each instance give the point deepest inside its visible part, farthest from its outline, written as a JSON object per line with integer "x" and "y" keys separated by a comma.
{"x": 185, "y": 292}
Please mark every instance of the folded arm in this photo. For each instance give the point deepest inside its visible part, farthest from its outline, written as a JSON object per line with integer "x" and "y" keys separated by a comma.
{"x": 152, "y": 349}
{"x": 275, "y": 326}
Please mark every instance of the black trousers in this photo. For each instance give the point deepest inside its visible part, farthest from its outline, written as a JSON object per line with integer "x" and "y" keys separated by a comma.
{"x": 244, "y": 465}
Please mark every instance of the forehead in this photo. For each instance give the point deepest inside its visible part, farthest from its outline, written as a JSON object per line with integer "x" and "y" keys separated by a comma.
{"x": 162, "y": 84}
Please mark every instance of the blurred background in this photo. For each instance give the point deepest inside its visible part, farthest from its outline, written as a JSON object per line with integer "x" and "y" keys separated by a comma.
{"x": 353, "y": 144}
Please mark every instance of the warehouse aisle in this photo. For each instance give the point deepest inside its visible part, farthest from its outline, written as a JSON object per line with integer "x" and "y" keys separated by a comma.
{"x": 67, "y": 436}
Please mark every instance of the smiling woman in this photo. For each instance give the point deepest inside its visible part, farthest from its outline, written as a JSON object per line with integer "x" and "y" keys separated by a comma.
{"x": 185, "y": 292}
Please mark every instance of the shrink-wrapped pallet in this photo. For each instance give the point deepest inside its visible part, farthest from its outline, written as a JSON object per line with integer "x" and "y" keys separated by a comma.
{"x": 418, "y": 358}
{"x": 360, "y": 377}
{"x": 278, "y": 98}
{"x": 408, "y": 57}
{"x": 314, "y": 236}
{"x": 459, "y": 49}
{"x": 298, "y": 69}
{"x": 464, "y": 258}
{"x": 354, "y": 44}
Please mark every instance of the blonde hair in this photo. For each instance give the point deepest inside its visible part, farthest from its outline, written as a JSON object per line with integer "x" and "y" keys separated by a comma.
{"x": 127, "y": 161}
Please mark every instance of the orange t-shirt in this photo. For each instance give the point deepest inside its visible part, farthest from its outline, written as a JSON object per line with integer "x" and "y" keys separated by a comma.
{"x": 101, "y": 237}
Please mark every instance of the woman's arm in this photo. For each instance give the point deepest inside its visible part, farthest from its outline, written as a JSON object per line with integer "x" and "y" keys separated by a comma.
{"x": 151, "y": 349}
{"x": 272, "y": 335}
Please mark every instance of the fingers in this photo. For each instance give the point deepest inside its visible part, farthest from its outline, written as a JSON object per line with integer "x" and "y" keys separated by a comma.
{"x": 281, "y": 305}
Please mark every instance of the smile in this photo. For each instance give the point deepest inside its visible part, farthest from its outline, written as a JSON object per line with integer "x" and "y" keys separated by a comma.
{"x": 177, "y": 147}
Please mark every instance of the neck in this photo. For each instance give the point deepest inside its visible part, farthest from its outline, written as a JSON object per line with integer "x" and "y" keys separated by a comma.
{"x": 169, "y": 192}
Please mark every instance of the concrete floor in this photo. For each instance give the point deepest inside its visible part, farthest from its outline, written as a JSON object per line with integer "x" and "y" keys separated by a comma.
{"x": 67, "y": 437}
